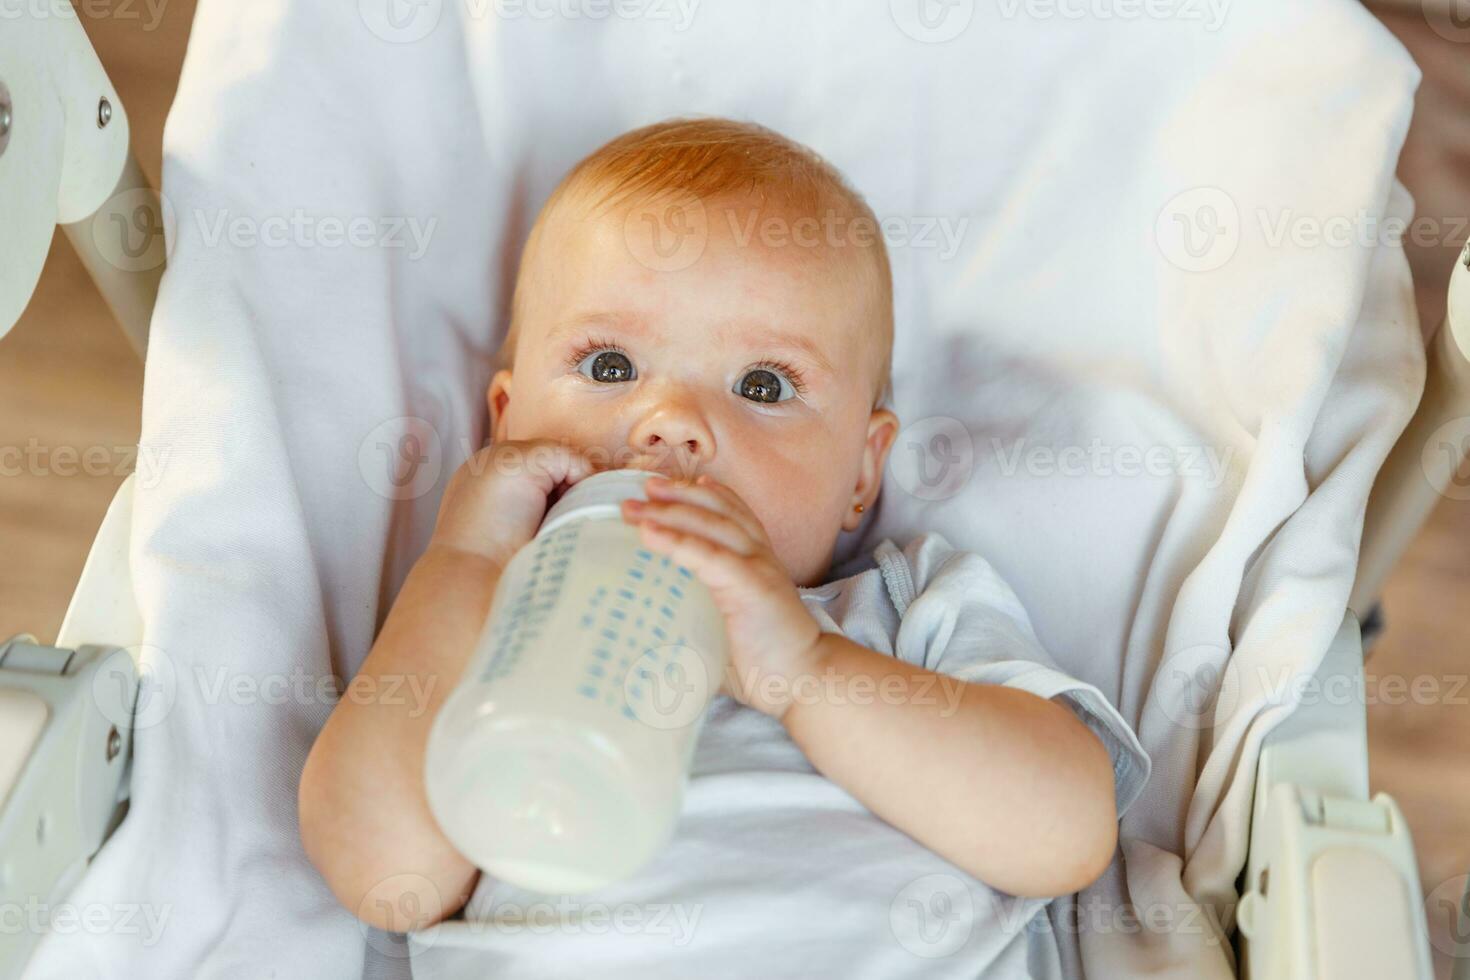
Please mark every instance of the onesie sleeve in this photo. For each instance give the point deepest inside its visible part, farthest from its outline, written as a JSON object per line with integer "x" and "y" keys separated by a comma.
{"x": 962, "y": 619}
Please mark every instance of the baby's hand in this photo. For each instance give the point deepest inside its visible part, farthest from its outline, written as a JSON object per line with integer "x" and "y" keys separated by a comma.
{"x": 495, "y": 502}
{"x": 706, "y": 527}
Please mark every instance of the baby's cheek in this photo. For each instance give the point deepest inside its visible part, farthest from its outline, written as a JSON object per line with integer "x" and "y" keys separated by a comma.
{"x": 545, "y": 418}
{"x": 799, "y": 532}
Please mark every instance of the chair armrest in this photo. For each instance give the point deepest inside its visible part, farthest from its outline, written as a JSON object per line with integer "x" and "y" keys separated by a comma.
{"x": 1425, "y": 464}
{"x": 66, "y": 724}
{"x": 1332, "y": 889}
{"x": 61, "y": 777}
{"x": 64, "y": 160}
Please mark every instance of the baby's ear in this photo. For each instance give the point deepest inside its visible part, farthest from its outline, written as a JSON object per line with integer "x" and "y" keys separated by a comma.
{"x": 497, "y": 398}
{"x": 882, "y": 431}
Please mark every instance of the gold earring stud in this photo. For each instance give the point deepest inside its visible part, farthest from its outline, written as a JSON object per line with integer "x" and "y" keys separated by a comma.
{"x": 858, "y": 508}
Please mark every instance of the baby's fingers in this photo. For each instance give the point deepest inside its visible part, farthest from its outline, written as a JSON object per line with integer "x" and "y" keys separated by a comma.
{"x": 713, "y": 496}
{"x": 547, "y": 463}
{"x": 713, "y": 564}
{"x": 692, "y": 518}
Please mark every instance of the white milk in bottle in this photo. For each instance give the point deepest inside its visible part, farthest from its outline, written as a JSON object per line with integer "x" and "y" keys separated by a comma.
{"x": 558, "y": 763}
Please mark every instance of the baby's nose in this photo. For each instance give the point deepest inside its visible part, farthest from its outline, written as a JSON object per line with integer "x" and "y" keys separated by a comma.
{"x": 674, "y": 437}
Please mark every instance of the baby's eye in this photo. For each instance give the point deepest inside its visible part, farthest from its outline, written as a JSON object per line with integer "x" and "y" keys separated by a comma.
{"x": 765, "y": 385}
{"x": 607, "y": 366}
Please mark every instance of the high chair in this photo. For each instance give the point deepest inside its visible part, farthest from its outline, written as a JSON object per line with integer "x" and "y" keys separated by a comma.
{"x": 1330, "y": 890}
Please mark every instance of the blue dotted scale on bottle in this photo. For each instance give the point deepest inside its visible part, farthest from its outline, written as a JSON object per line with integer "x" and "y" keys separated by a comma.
{"x": 527, "y": 611}
{"x": 620, "y": 625}
{"x": 624, "y": 635}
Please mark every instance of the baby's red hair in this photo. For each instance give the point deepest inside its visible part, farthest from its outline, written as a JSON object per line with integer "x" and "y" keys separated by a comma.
{"x": 723, "y": 160}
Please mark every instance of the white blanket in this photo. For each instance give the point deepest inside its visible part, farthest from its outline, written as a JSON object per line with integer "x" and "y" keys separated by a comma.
{"x": 1153, "y": 340}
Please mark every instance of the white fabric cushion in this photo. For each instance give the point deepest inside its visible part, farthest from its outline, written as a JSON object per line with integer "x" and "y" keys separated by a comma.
{"x": 1071, "y": 153}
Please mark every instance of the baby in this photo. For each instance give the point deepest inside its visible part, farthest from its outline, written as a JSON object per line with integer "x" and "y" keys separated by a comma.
{"x": 894, "y": 776}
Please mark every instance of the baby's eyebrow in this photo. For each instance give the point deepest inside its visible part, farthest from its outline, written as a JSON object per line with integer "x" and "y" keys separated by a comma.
{"x": 575, "y": 328}
{"x": 617, "y": 321}
{"x": 794, "y": 343}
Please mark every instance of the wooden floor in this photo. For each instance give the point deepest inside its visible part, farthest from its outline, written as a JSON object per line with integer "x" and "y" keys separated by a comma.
{"x": 70, "y": 386}
{"x": 69, "y": 391}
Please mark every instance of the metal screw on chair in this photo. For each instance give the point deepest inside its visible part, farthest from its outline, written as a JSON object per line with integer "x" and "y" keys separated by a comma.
{"x": 6, "y": 117}
{"x": 114, "y": 744}
{"x": 1264, "y": 881}
{"x": 104, "y": 112}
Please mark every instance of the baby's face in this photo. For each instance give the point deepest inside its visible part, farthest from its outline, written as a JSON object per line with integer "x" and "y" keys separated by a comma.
{"x": 754, "y": 364}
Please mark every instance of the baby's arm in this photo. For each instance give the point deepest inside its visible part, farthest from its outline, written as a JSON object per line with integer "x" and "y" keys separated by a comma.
{"x": 365, "y": 818}
{"x": 1007, "y": 785}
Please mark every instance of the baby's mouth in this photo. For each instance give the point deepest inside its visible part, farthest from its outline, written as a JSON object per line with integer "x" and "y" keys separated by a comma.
{"x": 671, "y": 470}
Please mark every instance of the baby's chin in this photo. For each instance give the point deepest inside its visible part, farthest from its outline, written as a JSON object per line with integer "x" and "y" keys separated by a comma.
{"x": 810, "y": 572}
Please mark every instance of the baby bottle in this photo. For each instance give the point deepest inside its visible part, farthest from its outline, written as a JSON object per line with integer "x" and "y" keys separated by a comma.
{"x": 558, "y": 763}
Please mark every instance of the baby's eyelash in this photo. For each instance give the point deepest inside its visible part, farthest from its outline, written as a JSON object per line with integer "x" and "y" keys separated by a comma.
{"x": 592, "y": 346}
{"x": 792, "y": 374}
